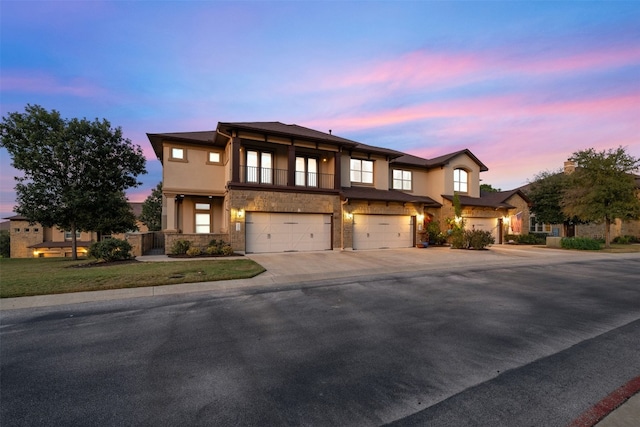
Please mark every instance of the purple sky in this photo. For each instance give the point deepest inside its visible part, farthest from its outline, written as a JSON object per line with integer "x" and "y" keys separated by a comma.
{"x": 523, "y": 85}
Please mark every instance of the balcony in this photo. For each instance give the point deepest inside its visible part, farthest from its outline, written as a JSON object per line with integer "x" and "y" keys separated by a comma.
{"x": 279, "y": 177}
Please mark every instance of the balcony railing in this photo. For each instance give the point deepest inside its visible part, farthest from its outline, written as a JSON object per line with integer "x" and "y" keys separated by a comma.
{"x": 268, "y": 176}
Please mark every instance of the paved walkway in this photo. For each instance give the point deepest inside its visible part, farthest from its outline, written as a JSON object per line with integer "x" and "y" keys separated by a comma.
{"x": 299, "y": 267}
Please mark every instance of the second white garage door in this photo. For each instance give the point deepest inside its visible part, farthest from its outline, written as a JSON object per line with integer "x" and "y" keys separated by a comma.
{"x": 484, "y": 224}
{"x": 281, "y": 232}
{"x": 382, "y": 231}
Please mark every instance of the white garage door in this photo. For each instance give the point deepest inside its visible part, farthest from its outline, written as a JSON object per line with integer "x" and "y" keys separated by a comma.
{"x": 279, "y": 232}
{"x": 484, "y": 224}
{"x": 382, "y": 231}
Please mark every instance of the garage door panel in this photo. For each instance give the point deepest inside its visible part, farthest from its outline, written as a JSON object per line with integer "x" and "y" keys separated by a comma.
{"x": 484, "y": 224}
{"x": 382, "y": 231}
{"x": 287, "y": 232}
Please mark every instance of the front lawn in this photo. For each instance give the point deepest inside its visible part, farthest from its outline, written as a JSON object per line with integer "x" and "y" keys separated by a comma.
{"x": 42, "y": 276}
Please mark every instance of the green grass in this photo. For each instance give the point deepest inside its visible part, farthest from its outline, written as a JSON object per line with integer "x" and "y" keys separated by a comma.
{"x": 43, "y": 276}
{"x": 621, "y": 248}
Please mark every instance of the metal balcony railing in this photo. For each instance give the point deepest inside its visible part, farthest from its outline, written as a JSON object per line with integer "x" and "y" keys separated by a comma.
{"x": 269, "y": 176}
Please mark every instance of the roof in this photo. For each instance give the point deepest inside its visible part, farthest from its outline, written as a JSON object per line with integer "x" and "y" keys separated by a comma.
{"x": 79, "y": 244}
{"x": 443, "y": 160}
{"x": 17, "y": 218}
{"x": 369, "y": 193}
{"x": 202, "y": 137}
{"x": 378, "y": 150}
{"x": 281, "y": 129}
{"x": 5, "y": 225}
{"x": 494, "y": 200}
{"x": 136, "y": 207}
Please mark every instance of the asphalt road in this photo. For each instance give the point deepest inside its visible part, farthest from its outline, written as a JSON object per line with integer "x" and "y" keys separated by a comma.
{"x": 513, "y": 346}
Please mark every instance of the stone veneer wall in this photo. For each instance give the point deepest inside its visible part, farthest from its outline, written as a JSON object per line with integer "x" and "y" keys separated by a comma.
{"x": 21, "y": 239}
{"x": 278, "y": 202}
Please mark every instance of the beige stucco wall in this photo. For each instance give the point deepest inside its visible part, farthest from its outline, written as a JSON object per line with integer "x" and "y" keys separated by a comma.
{"x": 194, "y": 175}
{"x": 463, "y": 162}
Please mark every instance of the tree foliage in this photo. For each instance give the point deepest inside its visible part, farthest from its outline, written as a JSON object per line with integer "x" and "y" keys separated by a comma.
{"x": 5, "y": 244}
{"x": 74, "y": 171}
{"x": 602, "y": 188}
{"x": 545, "y": 194}
{"x": 152, "y": 209}
{"x": 488, "y": 188}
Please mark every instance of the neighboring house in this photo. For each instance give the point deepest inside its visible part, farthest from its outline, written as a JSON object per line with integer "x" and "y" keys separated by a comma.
{"x": 272, "y": 187}
{"x": 593, "y": 230}
{"x": 34, "y": 240}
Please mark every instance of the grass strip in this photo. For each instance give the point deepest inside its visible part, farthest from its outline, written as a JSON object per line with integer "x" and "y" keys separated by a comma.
{"x": 44, "y": 276}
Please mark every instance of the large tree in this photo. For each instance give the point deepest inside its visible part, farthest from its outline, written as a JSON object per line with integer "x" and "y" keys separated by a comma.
{"x": 74, "y": 171}
{"x": 152, "y": 209}
{"x": 602, "y": 188}
{"x": 545, "y": 193}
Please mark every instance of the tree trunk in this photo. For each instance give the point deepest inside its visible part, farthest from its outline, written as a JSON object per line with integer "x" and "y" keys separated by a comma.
{"x": 607, "y": 233}
{"x": 74, "y": 243}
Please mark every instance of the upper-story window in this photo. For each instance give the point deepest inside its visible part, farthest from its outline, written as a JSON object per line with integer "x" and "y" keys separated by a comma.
{"x": 307, "y": 171}
{"x": 214, "y": 157}
{"x": 402, "y": 180}
{"x": 361, "y": 171}
{"x": 460, "y": 181}
{"x": 178, "y": 153}
{"x": 67, "y": 235}
{"x": 259, "y": 167}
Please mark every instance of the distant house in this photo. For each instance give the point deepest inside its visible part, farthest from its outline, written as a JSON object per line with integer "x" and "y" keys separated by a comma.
{"x": 594, "y": 230}
{"x": 273, "y": 187}
{"x": 33, "y": 240}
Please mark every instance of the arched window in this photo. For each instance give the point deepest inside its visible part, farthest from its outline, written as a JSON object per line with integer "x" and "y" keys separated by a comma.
{"x": 460, "y": 181}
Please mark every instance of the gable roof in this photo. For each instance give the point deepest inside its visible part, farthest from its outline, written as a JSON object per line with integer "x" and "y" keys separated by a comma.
{"x": 496, "y": 200}
{"x": 369, "y": 193}
{"x": 411, "y": 160}
{"x": 202, "y": 137}
{"x": 281, "y": 129}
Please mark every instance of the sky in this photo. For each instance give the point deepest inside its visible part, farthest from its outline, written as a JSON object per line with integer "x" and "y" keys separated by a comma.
{"x": 523, "y": 85}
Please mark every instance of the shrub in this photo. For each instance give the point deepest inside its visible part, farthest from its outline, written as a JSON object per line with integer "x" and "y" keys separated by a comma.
{"x": 180, "y": 247}
{"x": 227, "y": 250}
{"x": 580, "y": 243}
{"x": 625, "y": 240}
{"x": 478, "y": 239}
{"x": 219, "y": 247}
{"x": 110, "y": 250}
{"x": 527, "y": 239}
{"x": 471, "y": 239}
{"x": 436, "y": 236}
{"x": 193, "y": 251}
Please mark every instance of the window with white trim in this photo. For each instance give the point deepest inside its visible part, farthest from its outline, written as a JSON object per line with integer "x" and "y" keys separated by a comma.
{"x": 177, "y": 153}
{"x": 214, "y": 157}
{"x": 67, "y": 235}
{"x": 402, "y": 180}
{"x": 203, "y": 217}
{"x": 361, "y": 171}
{"x": 460, "y": 181}
{"x": 538, "y": 227}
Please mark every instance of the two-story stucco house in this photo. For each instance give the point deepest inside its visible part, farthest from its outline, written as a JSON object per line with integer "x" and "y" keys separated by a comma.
{"x": 272, "y": 187}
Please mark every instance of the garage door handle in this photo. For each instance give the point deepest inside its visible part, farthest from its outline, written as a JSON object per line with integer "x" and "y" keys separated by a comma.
{"x": 268, "y": 236}
{"x": 311, "y": 235}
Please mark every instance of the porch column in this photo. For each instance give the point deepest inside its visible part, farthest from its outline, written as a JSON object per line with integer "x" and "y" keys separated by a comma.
{"x": 291, "y": 166}
{"x": 337, "y": 180}
{"x": 235, "y": 159}
{"x": 170, "y": 211}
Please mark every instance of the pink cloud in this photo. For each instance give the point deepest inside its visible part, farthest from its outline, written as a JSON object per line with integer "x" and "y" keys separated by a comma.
{"x": 47, "y": 84}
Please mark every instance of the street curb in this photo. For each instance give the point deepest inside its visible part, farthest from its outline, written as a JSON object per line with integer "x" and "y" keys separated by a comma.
{"x": 607, "y": 405}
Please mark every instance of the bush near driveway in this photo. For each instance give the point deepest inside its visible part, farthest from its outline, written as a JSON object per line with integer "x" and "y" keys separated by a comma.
{"x": 580, "y": 243}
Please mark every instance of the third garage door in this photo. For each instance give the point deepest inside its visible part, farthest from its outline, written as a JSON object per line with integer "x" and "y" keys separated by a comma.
{"x": 382, "y": 231}
{"x": 284, "y": 232}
